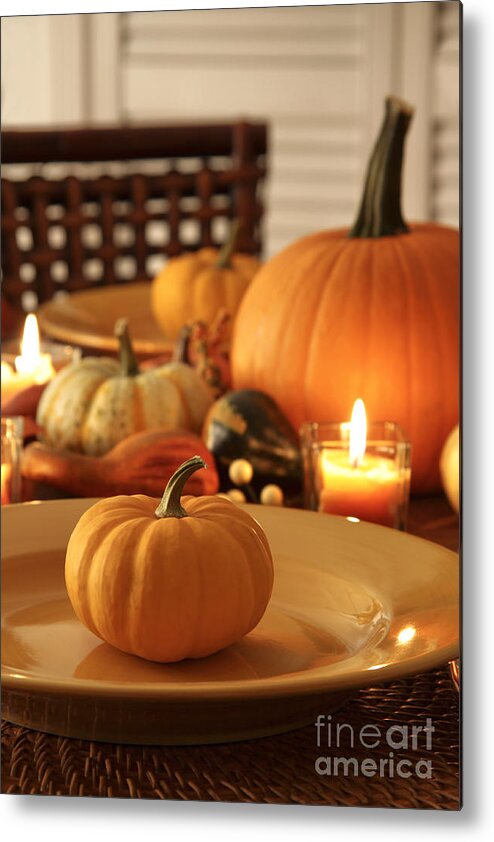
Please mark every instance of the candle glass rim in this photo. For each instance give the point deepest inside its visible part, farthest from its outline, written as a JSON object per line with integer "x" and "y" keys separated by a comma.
{"x": 13, "y": 426}
{"x": 59, "y": 351}
{"x": 311, "y": 430}
{"x": 12, "y": 442}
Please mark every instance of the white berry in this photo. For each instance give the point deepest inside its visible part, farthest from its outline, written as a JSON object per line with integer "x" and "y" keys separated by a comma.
{"x": 240, "y": 472}
{"x": 236, "y": 495}
{"x": 271, "y": 495}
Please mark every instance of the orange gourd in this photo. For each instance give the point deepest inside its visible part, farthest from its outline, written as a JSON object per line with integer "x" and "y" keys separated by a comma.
{"x": 139, "y": 464}
{"x": 196, "y": 286}
{"x": 372, "y": 313}
{"x": 179, "y": 580}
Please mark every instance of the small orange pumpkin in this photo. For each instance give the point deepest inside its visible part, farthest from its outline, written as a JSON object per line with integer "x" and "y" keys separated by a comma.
{"x": 372, "y": 312}
{"x": 181, "y": 580}
{"x": 196, "y": 286}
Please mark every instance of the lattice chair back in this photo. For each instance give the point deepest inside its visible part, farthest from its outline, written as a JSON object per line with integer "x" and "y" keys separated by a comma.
{"x": 85, "y": 208}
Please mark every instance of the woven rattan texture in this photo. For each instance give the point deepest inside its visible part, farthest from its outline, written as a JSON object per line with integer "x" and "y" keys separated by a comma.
{"x": 274, "y": 770}
{"x": 105, "y": 223}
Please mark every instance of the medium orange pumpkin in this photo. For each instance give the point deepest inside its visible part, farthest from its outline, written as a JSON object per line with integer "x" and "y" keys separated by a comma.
{"x": 181, "y": 580}
{"x": 372, "y": 313}
{"x": 195, "y": 287}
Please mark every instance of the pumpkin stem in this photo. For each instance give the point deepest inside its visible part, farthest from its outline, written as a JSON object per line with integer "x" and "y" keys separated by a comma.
{"x": 182, "y": 345}
{"x": 128, "y": 360}
{"x": 170, "y": 503}
{"x": 380, "y": 208}
{"x": 229, "y": 247}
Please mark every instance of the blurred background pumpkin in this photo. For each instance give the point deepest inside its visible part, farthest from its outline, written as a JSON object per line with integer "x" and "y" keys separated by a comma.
{"x": 197, "y": 286}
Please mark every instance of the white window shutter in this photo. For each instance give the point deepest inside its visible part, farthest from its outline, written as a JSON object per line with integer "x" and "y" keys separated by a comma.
{"x": 446, "y": 128}
{"x": 318, "y": 75}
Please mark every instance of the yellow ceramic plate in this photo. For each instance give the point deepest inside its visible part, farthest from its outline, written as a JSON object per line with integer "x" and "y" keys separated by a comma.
{"x": 353, "y": 604}
{"x": 87, "y": 318}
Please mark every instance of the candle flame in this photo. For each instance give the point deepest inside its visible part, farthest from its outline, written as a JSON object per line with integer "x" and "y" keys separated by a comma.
{"x": 358, "y": 432}
{"x": 30, "y": 356}
{"x": 31, "y": 363}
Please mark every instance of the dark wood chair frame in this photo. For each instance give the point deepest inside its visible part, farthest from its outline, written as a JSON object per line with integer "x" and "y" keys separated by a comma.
{"x": 203, "y": 173}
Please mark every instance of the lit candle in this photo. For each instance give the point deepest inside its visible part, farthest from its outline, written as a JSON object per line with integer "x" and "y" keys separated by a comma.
{"x": 356, "y": 483}
{"x": 5, "y": 483}
{"x": 31, "y": 367}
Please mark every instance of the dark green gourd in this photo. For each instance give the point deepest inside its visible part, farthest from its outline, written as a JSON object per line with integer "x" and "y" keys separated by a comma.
{"x": 248, "y": 424}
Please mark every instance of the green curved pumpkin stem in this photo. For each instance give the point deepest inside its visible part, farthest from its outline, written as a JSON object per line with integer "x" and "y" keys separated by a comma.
{"x": 380, "y": 208}
{"x": 128, "y": 360}
{"x": 229, "y": 247}
{"x": 170, "y": 503}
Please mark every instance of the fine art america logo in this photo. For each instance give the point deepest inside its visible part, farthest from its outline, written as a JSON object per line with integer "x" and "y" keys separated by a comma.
{"x": 389, "y": 743}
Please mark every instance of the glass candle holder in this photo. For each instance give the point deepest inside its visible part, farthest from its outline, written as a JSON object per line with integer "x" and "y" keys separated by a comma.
{"x": 61, "y": 355}
{"x": 56, "y": 356}
{"x": 376, "y": 488}
{"x": 12, "y": 438}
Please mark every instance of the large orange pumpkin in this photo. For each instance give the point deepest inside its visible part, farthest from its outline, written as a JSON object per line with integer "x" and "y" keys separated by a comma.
{"x": 372, "y": 312}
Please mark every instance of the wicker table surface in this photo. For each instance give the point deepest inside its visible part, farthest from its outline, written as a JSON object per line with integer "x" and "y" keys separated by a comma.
{"x": 279, "y": 769}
